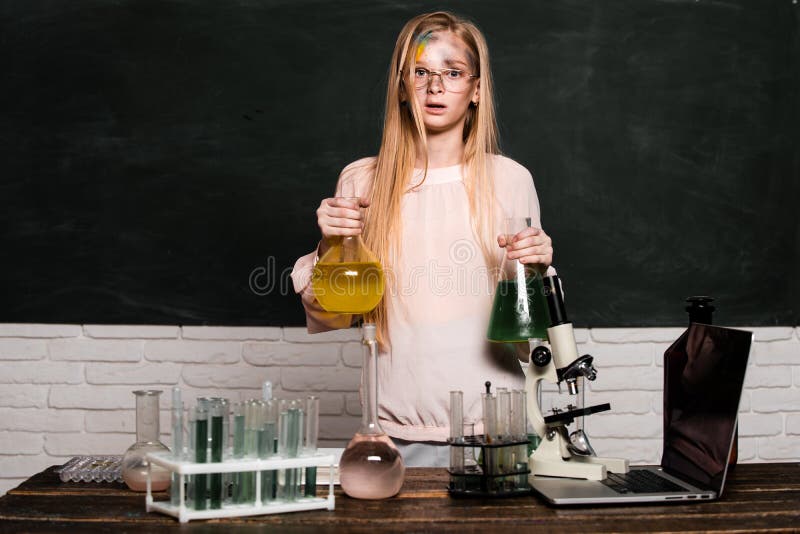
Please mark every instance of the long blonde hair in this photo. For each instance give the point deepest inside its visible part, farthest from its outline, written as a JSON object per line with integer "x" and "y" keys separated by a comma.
{"x": 404, "y": 133}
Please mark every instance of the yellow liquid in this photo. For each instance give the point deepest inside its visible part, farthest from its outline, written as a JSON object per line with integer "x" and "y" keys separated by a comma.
{"x": 348, "y": 287}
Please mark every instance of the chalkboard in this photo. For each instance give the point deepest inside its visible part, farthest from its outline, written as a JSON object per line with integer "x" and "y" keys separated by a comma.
{"x": 161, "y": 161}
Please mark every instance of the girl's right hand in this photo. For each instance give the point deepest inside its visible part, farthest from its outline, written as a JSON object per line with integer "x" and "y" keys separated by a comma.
{"x": 339, "y": 217}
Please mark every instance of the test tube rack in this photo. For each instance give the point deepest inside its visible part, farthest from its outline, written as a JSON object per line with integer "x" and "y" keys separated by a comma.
{"x": 184, "y": 469}
{"x": 501, "y": 469}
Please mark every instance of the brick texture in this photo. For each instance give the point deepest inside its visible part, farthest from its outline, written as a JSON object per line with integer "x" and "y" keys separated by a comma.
{"x": 22, "y": 349}
{"x": 67, "y": 389}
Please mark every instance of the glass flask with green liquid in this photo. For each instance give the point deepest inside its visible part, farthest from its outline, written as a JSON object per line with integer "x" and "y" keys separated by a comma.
{"x": 348, "y": 278}
{"x": 519, "y": 311}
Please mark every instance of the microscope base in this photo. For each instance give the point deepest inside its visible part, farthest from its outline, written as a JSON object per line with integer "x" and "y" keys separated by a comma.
{"x": 613, "y": 465}
{"x": 547, "y": 460}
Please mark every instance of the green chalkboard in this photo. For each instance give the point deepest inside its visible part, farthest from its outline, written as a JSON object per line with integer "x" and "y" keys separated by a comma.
{"x": 161, "y": 161}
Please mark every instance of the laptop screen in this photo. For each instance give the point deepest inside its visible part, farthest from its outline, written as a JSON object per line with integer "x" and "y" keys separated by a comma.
{"x": 703, "y": 378}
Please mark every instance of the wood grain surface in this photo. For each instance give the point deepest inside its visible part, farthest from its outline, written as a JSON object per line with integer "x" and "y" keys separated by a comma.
{"x": 758, "y": 497}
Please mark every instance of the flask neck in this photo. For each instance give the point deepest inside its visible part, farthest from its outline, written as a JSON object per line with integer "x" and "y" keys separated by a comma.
{"x": 147, "y": 416}
{"x": 369, "y": 390}
{"x": 351, "y": 248}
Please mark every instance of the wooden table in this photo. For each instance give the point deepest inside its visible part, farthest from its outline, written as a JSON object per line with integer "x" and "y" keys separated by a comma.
{"x": 758, "y": 497}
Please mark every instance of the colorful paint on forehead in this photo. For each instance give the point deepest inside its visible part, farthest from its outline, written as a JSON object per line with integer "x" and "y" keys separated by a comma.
{"x": 422, "y": 41}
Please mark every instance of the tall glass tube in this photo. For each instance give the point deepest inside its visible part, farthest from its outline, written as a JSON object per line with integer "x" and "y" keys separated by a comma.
{"x": 238, "y": 450}
{"x": 200, "y": 456}
{"x": 177, "y": 444}
{"x": 284, "y": 437}
{"x": 217, "y": 444}
{"x": 503, "y": 428}
{"x": 457, "y": 431}
{"x": 519, "y": 420}
{"x": 296, "y": 445}
{"x": 371, "y": 467}
{"x": 490, "y": 460}
{"x": 267, "y": 449}
{"x": 250, "y": 449}
{"x": 312, "y": 435}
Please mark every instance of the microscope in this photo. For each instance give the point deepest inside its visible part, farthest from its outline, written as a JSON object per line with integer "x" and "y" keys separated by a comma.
{"x": 561, "y": 454}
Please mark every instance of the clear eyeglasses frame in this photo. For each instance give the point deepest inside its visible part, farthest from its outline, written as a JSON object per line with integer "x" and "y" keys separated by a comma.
{"x": 453, "y": 80}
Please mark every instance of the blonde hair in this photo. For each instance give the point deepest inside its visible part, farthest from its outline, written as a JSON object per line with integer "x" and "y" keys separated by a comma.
{"x": 404, "y": 136}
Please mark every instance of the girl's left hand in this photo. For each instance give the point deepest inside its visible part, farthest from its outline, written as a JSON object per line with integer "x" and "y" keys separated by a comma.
{"x": 531, "y": 246}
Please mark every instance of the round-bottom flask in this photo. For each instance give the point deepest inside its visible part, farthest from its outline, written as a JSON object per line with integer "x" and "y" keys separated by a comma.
{"x": 134, "y": 463}
{"x": 371, "y": 467}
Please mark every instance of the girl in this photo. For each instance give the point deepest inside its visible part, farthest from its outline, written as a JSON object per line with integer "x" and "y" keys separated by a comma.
{"x": 433, "y": 201}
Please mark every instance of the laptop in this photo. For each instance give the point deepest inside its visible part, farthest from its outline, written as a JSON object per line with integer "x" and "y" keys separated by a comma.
{"x": 703, "y": 377}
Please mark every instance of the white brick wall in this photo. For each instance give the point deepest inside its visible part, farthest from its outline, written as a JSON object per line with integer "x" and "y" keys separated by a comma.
{"x": 66, "y": 389}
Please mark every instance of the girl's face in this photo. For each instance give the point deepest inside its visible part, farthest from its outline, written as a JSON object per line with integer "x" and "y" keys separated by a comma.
{"x": 442, "y": 82}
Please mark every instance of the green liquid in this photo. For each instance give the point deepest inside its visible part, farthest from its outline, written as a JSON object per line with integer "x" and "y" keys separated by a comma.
{"x": 215, "y": 479}
{"x": 238, "y": 452}
{"x": 311, "y": 482}
{"x": 201, "y": 457}
{"x": 515, "y": 317}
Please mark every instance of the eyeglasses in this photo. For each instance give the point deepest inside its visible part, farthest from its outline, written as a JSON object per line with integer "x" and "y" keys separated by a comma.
{"x": 453, "y": 80}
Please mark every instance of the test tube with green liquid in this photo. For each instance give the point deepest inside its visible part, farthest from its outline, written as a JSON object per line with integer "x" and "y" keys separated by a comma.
{"x": 312, "y": 435}
{"x": 215, "y": 479}
{"x": 250, "y": 449}
{"x": 200, "y": 439}
{"x": 238, "y": 449}
{"x": 266, "y": 449}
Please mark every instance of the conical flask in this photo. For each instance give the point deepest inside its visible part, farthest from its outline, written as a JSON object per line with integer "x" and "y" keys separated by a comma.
{"x": 348, "y": 278}
{"x": 134, "y": 462}
{"x": 371, "y": 467}
{"x": 519, "y": 311}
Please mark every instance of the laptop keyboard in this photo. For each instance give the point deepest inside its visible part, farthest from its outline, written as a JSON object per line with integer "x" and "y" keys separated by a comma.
{"x": 640, "y": 481}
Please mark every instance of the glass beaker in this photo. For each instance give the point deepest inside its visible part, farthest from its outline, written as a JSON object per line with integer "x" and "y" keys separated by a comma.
{"x": 348, "y": 278}
{"x": 519, "y": 311}
{"x": 134, "y": 463}
{"x": 371, "y": 467}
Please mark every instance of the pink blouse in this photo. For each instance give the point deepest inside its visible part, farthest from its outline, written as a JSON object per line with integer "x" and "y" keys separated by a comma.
{"x": 439, "y": 298}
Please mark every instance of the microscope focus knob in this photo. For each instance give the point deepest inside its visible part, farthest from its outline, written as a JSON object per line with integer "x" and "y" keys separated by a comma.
{"x": 541, "y": 356}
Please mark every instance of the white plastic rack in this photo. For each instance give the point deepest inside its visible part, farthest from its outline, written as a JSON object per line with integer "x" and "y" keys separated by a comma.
{"x": 184, "y": 513}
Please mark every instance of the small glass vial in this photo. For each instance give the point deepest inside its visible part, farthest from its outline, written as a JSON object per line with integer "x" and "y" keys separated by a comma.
{"x": 134, "y": 463}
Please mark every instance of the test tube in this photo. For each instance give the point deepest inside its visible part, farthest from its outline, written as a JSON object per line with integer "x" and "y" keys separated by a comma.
{"x": 283, "y": 446}
{"x": 289, "y": 443}
{"x": 238, "y": 449}
{"x": 226, "y": 428}
{"x": 266, "y": 449}
{"x": 503, "y": 428}
{"x": 205, "y": 403}
{"x": 177, "y": 444}
{"x": 200, "y": 439}
{"x": 250, "y": 449}
{"x": 312, "y": 435}
{"x": 296, "y": 428}
{"x": 456, "y": 431}
{"x": 217, "y": 442}
{"x": 518, "y": 414}
{"x": 489, "y": 416}
{"x": 519, "y": 433}
{"x": 266, "y": 390}
{"x": 490, "y": 461}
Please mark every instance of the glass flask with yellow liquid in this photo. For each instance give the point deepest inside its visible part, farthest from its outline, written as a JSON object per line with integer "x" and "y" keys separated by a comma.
{"x": 519, "y": 311}
{"x": 348, "y": 278}
{"x": 371, "y": 467}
